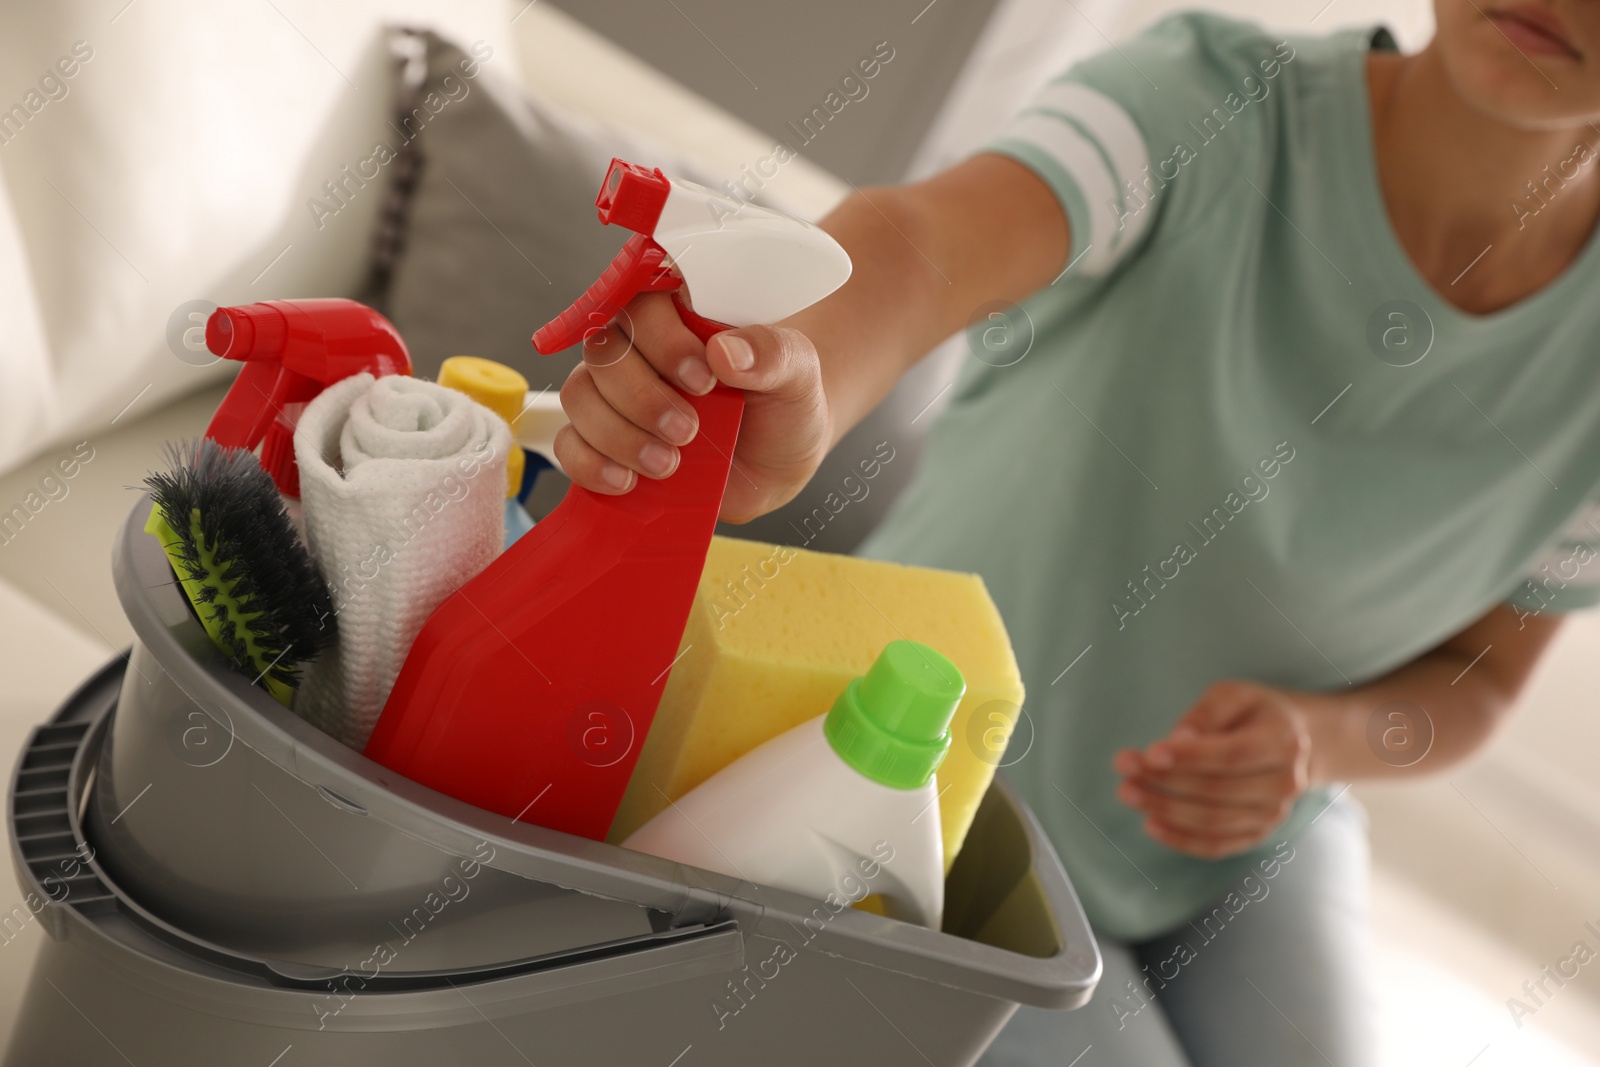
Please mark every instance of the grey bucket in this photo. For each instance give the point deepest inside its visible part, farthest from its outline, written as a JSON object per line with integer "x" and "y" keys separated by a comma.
{"x": 218, "y": 878}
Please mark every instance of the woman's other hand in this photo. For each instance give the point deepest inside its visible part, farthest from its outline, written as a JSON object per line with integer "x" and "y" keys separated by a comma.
{"x": 1226, "y": 776}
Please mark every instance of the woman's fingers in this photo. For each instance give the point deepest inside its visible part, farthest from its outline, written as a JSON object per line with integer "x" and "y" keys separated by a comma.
{"x": 1265, "y": 737}
{"x": 1221, "y": 725}
{"x": 633, "y": 388}
{"x": 1222, "y": 705}
{"x": 1237, "y": 814}
{"x": 1261, "y": 788}
{"x": 609, "y": 435}
{"x": 626, "y": 420}
{"x": 586, "y": 466}
{"x": 651, "y": 323}
{"x": 1237, "y": 752}
{"x": 1227, "y": 774}
{"x": 627, "y": 413}
{"x": 1241, "y": 752}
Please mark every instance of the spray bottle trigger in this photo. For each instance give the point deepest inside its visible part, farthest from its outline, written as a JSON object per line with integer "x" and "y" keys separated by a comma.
{"x": 641, "y": 267}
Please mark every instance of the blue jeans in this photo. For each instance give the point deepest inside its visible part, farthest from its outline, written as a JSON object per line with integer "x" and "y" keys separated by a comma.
{"x": 1278, "y": 975}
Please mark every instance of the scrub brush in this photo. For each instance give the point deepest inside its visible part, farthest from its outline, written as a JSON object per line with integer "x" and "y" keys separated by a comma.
{"x": 239, "y": 560}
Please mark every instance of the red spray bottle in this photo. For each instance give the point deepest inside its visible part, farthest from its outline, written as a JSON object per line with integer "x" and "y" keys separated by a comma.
{"x": 291, "y": 351}
{"x": 530, "y": 690}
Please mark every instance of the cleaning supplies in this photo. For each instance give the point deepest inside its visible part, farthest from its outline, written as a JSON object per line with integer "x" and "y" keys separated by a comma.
{"x": 504, "y": 392}
{"x": 292, "y": 350}
{"x": 758, "y": 656}
{"x": 815, "y": 809}
{"x": 240, "y": 563}
{"x": 776, "y": 633}
{"x": 403, "y": 485}
{"x": 530, "y": 690}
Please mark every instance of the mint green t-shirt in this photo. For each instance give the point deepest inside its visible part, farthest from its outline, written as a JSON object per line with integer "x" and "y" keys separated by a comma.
{"x": 1240, "y": 436}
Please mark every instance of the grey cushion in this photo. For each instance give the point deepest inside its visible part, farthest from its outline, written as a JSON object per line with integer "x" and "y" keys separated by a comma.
{"x": 499, "y": 231}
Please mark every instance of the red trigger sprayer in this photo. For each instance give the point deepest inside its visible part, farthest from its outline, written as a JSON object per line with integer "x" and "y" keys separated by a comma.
{"x": 530, "y": 689}
{"x": 292, "y": 350}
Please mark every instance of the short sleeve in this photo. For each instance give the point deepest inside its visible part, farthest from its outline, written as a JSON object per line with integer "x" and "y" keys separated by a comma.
{"x": 1568, "y": 577}
{"x": 1138, "y": 132}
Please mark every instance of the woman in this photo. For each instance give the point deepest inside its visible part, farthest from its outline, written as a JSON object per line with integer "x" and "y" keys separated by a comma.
{"x": 1281, "y": 475}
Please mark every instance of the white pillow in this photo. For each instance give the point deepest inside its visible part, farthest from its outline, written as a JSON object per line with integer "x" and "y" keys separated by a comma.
{"x": 27, "y": 388}
{"x": 177, "y": 163}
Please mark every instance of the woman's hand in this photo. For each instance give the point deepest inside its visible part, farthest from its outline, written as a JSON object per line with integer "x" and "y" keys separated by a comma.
{"x": 626, "y": 422}
{"x": 1228, "y": 773}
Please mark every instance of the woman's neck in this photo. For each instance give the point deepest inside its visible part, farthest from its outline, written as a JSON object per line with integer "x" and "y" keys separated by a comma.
{"x": 1456, "y": 184}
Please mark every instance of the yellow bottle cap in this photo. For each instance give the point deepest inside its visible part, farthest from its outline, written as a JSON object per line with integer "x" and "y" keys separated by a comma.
{"x": 498, "y": 388}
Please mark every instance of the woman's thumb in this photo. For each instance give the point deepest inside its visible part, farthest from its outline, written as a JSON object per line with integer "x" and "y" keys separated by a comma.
{"x": 763, "y": 359}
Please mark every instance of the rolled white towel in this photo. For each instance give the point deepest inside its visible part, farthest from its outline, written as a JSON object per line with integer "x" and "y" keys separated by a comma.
{"x": 403, "y": 488}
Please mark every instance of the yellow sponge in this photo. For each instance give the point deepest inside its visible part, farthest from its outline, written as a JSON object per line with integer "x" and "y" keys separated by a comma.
{"x": 775, "y": 635}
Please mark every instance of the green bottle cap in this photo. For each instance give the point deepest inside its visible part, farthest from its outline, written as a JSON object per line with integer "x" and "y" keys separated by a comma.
{"x": 893, "y": 723}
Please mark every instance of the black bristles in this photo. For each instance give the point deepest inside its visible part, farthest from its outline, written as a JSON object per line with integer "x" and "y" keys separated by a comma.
{"x": 252, "y": 543}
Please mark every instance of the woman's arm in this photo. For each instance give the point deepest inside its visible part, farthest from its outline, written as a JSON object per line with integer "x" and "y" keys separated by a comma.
{"x": 1467, "y": 687}
{"x": 926, "y": 256}
{"x": 1228, "y": 773}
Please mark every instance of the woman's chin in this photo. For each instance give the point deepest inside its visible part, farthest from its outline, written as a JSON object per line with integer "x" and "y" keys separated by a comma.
{"x": 1531, "y": 93}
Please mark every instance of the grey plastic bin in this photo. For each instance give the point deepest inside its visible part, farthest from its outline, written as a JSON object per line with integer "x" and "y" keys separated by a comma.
{"x": 223, "y": 883}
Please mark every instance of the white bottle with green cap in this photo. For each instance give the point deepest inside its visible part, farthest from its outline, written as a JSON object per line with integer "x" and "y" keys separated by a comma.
{"x": 842, "y": 806}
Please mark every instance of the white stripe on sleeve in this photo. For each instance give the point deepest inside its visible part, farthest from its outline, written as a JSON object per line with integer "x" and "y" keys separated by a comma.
{"x": 1057, "y": 138}
{"x": 1120, "y": 140}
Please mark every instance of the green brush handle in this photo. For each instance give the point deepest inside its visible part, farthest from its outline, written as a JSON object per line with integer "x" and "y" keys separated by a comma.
{"x": 221, "y": 605}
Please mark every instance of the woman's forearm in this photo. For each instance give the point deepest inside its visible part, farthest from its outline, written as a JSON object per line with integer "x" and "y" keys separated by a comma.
{"x": 925, "y": 258}
{"x": 1411, "y": 722}
{"x": 874, "y": 328}
{"x": 1434, "y": 712}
